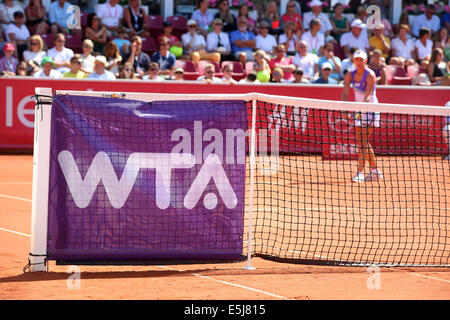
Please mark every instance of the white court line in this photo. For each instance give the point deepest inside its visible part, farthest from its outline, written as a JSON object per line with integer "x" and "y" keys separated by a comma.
{"x": 430, "y": 277}
{"x": 14, "y": 198}
{"x": 273, "y": 295}
{"x": 16, "y": 232}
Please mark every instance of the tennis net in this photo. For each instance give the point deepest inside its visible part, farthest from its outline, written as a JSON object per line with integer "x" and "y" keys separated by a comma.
{"x": 288, "y": 192}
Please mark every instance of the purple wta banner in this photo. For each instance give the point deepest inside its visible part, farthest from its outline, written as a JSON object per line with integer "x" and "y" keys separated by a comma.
{"x": 131, "y": 180}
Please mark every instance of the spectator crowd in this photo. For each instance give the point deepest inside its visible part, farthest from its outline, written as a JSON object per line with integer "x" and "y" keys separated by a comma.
{"x": 300, "y": 46}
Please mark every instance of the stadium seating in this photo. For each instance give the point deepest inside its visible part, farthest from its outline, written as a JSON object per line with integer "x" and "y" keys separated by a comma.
{"x": 238, "y": 69}
{"x": 155, "y": 25}
{"x": 396, "y": 75}
{"x": 74, "y": 42}
{"x": 190, "y": 71}
{"x": 48, "y": 40}
{"x": 178, "y": 25}
{"x": 149, "y": 45}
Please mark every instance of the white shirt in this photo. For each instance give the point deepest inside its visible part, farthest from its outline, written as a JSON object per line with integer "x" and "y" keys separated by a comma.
{"x": 60, "y": 56}
{"x": 326, "y": 24}
{"x": 53, "y": 74}
{"x": 265, "y": 43}
{"x": 106, "y": 75}
{"x": 348, "y": 39}
{"x": 423, "y": 51}
{"x": 314, "y": 42}
{"x": 212, "y": 41}
{"x": 110, "y": 16}
{"x": 422, "y": 22}
{"x": 34, "y": 56}
{"x": 307, "y": 63}
{"x": 7, "y": 13}
{"x": 292, "y": 44}
{"x": 401, "y": 49}
{"x": 203, "y": 20}
{"x": 21, "y": 33}
{"x": 214, "y": 79}
{"x": 199, "y": 40}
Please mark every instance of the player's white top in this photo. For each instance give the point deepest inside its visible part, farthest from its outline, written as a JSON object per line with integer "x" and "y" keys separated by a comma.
{"x": 365, "y": 118}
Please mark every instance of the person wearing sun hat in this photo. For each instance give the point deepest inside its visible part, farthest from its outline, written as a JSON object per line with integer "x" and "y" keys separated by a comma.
{"x": 100, "y": 71}
{"x": 47, "y": 69}
{"x": 8, "y": 63}
{"x": 316, "y": 13}
{"x": 355, "y": 37}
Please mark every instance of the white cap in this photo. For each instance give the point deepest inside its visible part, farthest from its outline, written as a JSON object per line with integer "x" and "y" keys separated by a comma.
{"x": 327, "y": 65}
{"x": 360, "y": 54}
{"x": 357, "y": 23}
{"x": 316, "y": 3}
{"x": 101, "y": 59}
{"x": 191, "y": 22}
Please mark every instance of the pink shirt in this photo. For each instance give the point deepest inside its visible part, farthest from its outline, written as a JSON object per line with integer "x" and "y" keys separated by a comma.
{"x": 285, "y": 61}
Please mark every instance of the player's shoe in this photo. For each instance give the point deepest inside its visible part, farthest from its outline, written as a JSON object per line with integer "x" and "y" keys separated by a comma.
{"x": 359, "y": 177}
{"x": 372, "y": 176}
{"x": 447, "y": 157}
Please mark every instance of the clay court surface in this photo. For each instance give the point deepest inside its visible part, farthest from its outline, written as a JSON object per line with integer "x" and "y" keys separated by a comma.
{"x": 270, "y": 280}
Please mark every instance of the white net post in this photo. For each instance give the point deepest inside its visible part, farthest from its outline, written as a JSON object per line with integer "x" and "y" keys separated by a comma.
{"x": 251, "y": 187}
{"x": 41, "y": 160}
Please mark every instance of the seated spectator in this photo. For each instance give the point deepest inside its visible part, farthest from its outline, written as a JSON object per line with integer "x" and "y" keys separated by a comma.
{"x": 59, "y": 14}
{"x": 355, "y": 38}
{"x": 277, "y": 76}
{"x": 36, "y": 14}
{"x": 167, "y": 32}
{"x": 423, "y": 47}
{"x": 17, "y": 33}
{"x": 402, "y": 52}
{"x": 293, "y": 16}
{"x": 75, "y": 69}
{"x": 165, "y": 59}
{"x": 97, "y": 33}
{"x": 219, "y": 41}
{"x": 127, "y": 71}
{"x": 335, "y": 62}
{"x": 243, "y": 11}
{"x": 314, "y": 37}
{"x": 7, "y": 10}
{"x": 153, "y": 73}
{"x": 438, "y": 70}
{"x": 113, "y": 57}
{"x": 122, "y": 41}
{"x": 339, "y": 23}
{"x": 227, "y": 71}
{"x": 347, "y": 64}
{"x": 100, "y": 72}
{"x": 445, "y": 20}
{"x": 378, "y": 66}
{"x": 282, "y": 62}
{"x": 251, "y": 78}
{"x": 2, "y": 40}
{"x": 298, "y": 76}
{"x": 203, "y": 17}
{"x": 194, "y": 45}
{"x": 426, "y": 20}
{"x": 8, "y": 63}
{"x": 178, "y": 74}
{"x": 60, "y": 54}
{"x": 208, "y": 75}
{"x": 308, "y": 62}
{"x": 316, "y": 13}
{"x": 111, "y": 16}
{"x": 441, "y": 39}
{"x": 290, "y": 37}
{"x": 264, "y": 40}
{"x": 273, "y": 19}
{"x": 21, "y": 69}
{"x": 380, "y": 41}
{"x": 242, "y": 42}
{"x": 139, "y": 59}
{"x": 325, "y": 75}
{"x": 34, "y": 55}
{"x": 224, "y": 14}
{"x": 261, "y": 62}
{"x": 47, "y": 70}
{"x": 88, "y": 60}
{"x": 135, "y": 19}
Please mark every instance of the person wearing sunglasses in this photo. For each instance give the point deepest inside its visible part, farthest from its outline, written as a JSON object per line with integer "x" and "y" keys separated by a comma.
{"x": 208, "y": 74}
{"x": 127, "y": 71}
{"x": 60, "y": 54}
{"x": 35, "y": 53}
{"x": 165, "y": 59}
{"x": 75, "y": 68}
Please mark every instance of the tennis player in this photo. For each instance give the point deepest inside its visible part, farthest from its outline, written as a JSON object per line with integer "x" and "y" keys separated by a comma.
{"x": 363, "y": 81}
{"x": 446, "y": 132}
